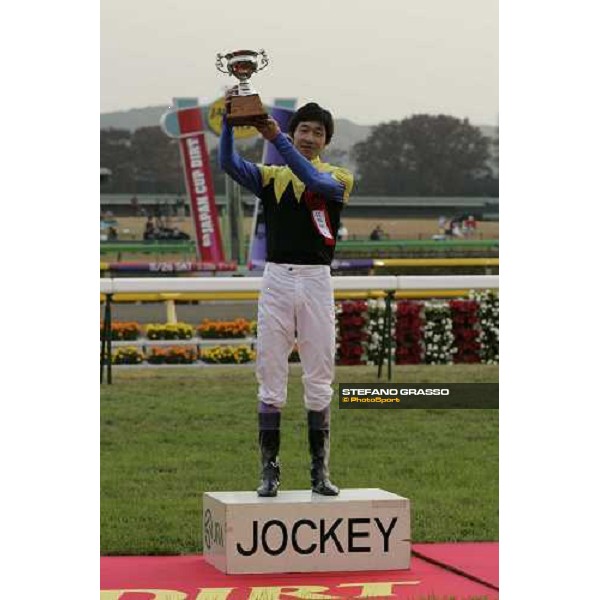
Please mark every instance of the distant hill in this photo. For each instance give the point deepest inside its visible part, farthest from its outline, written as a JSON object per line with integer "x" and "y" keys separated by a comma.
{"x": 132, "y": 119}
{"x": 347, "y": 133}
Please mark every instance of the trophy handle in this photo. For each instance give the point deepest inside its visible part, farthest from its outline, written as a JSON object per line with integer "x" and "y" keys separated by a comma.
{"x": 264, "y": 59}
{"x": 219, "y": 64}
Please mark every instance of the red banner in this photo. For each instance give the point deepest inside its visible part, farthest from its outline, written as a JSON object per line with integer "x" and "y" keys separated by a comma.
{"x": 198, "y": 179}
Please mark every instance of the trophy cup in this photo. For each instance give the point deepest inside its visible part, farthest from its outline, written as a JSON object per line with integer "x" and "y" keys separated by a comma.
{"x": 246, "y": 106}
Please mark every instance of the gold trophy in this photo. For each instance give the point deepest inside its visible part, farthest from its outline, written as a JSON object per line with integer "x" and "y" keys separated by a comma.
{"x": 245, "y": 107}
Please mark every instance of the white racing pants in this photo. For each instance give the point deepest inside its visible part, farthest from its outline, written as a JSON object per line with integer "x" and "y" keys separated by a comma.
{"x": 296, "y": 299}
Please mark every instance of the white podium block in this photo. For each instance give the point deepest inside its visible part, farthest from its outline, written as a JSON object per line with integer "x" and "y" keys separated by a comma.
{"x": 298, "y": 531}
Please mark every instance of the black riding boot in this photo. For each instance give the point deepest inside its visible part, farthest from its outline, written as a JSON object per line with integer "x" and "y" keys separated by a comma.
{"x": 268, "y": 439}
{"x": 318, "y": 440}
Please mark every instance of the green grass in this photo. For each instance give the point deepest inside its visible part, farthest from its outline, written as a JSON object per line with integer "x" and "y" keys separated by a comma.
{"x": 169, "y": 435}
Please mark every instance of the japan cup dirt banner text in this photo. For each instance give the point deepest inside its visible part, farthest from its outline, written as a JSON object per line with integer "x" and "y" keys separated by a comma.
{"x": 198, "y": 180}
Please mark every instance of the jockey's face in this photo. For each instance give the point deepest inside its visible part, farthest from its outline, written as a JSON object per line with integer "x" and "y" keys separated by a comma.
{"x": 309, "y": 138}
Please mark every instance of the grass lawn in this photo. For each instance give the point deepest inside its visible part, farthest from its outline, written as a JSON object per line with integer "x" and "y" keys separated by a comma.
{"x": 169, "y": 435}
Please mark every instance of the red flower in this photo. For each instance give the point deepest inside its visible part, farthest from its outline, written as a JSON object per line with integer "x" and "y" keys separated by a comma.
{"x": 350, "y": 307}
{"x": 408, "y": 308}
{"x": 464, "y": 328}
{"x": 354, "y": 335}
{"x": 352, "y": 321}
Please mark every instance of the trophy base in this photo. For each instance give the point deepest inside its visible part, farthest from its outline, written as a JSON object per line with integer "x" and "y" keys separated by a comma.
{"x": 244, "y": 110}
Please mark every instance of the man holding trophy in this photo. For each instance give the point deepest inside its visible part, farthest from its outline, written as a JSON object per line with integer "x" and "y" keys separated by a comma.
{"x": 302, "y": 203}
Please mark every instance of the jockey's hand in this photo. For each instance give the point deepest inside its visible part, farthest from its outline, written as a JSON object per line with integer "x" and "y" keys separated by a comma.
{"x": 267, "y": 127}
{"x": 233, "y": 91}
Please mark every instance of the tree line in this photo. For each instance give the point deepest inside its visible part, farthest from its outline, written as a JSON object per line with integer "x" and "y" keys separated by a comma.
{"x": 422, "y": 155}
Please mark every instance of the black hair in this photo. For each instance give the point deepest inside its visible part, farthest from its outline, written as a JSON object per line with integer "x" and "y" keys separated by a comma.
{"x": 312, "y": 112}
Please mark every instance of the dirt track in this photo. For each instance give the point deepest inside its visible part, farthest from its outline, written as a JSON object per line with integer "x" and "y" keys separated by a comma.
{"x": 132, "y": 228}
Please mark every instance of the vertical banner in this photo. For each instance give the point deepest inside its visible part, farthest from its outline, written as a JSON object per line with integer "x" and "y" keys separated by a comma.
{"x": 282, "y": 112}
{"x": 186, "y": 124}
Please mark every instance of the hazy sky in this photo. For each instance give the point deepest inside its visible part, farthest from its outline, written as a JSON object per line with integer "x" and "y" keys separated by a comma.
{"x": 368, "y": 61}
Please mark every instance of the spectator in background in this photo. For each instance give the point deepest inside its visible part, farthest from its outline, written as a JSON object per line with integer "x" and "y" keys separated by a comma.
{"x": 149, "y": 230}
{"x": 471, "y": 226}
{"x": 177, "y": 234}
{"x": 442, "y": 225}
{"x": 448, "y": 227}
{"x": 377, "y": 233}
{"x": 135, "y": 205}
{"x": 342, "y": 232}
{"x": 456, "y": 229}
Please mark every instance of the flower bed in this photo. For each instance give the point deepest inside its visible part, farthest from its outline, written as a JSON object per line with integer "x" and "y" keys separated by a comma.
{"x": 172, "y": 355}
{"x": 122, "y": 330}
{"x": 409, "y": 332}
{"x": 352, "y": 336}
{"x": 238, "y": 328}
{"x": 129, "y": 355}
{"x": 228, "y": 355}
{"x": 253, "y": 328}
{"x": 374, "y": 329}
{"x": 466, "y": 330}
{"x": 489, "y": 320}
{"x": 430, "y": 332}
{"x": 438, "y": 339}
{"x": 169, "y": 331}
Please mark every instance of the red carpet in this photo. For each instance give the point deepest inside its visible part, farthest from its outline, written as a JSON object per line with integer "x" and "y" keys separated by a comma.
{"x": 477, "y": 560}
{"x": 191, "y": 578}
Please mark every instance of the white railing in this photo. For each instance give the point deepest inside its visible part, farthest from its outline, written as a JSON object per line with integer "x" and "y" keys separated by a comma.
{"x": 131, "y": 285}
{"x": 364, "y": 283}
